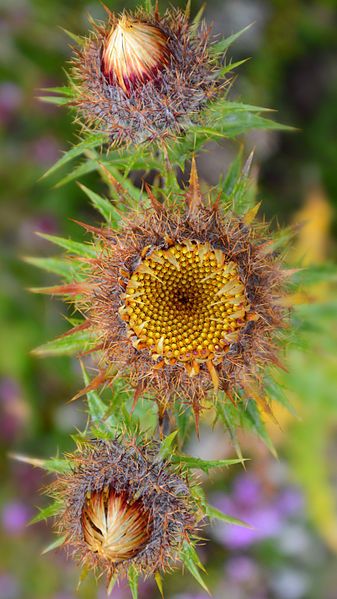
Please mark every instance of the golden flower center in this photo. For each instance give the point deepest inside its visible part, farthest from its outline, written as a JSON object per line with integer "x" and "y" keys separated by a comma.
{"x": 134, "y": 52}
{"x": 112, "y": 528}
{"x": 185, "y": 304}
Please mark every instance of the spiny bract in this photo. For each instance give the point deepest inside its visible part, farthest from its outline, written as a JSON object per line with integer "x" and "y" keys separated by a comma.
{"x": 142, "y": 76}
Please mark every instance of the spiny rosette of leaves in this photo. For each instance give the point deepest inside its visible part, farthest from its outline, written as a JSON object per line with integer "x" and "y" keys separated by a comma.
{"x": 123, "y": 504}
{"x": 143, "y": 76}
{"x": 183, "y": 299}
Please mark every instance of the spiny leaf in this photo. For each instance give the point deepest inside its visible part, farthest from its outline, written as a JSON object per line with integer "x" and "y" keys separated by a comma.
{"x": 133, "y": 582}
{"x": 46, "y": 513}
{"x": 80, "y": 341}
{"x": 92, "y": 141}
{"x": 159, "y": 582}
{"x": 166, "y": 446}
{"x": 231, "y": 66}
{"x": 58, "y": 100}
{"x": 103, "y": 205}
{"x": 213, "y": 512}
{"x": 51, "y": 465}
{"x": 76, "y": 38}
{"x": 222, "y": 45}
{"x": 205, "y": 465}
{"x": 253, "y": 418}
{"x": 58, "y": 266}
{"x": 59, "y": 541}
{"x": 188, "y": 558}
{"x": 75, "y": 247}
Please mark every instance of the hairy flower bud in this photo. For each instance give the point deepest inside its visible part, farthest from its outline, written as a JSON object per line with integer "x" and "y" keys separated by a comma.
{"x": 133, "y": 53}
{"x": 122, "y": 506}
{"x": 142, "y": 76}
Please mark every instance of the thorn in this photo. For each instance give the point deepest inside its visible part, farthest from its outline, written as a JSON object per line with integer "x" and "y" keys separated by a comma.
{"x": 250, "y": 215}
{"x": 156, "y": 205}
{"x": 95, "y": 383}
{"x": 248, "y": 164}
{"x": 214, "y": 375}
{"x": 193, "y": 196}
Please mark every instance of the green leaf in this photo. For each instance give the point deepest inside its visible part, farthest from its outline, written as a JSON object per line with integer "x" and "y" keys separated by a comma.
{"x": 159, "y": 582}
{"x": 71, "y": 344}
{"x": 45, "y": 513}
{"x": 188, "y": 558}
{"x": 213, "y": 512}
{"x": 111, "y": 585}
{"x": 102, "y": 205}
{"x": 59, "y": 541}
{"x": 222, "y": 45}
{"x": 58, "y": 266}
{"x": 75, "y": 247}
{"x": 82, "y": 169}
{"x": 76, "y": 38}
{"x": 205, "y": 465}
{"x": 166, "y": 446}
{"x": 57, "y": 100}
{"x": 231, "y": 66}
{"x": 91, "y": 141}
{"x": 253, "y": 418}
{"x": 133, "y": 582}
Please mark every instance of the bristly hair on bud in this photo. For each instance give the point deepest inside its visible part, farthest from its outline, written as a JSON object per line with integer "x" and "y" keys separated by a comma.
{"x": 142, "y": 76}
{"x": 184, "y": 300}
{"x": 122, "y": 506}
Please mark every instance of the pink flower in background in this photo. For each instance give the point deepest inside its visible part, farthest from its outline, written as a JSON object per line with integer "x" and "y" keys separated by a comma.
{"x": 9, "y": 587}
{"x": 14, "y": 517}
{"x": 11, "y": 99}
{"x": 45, "y": 150}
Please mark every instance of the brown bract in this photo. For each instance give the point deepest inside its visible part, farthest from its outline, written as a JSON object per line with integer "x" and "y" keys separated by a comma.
{"x": 185, "y": 300}
{"x": 142, "y": 76}
{"x": 122, "y": 506}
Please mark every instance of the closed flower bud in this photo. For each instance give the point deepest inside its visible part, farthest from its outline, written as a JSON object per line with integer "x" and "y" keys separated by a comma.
{"x": 122, "y": 506}
{"x": 142, "y": 76}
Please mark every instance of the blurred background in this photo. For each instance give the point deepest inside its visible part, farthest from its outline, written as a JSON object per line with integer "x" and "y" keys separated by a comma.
{"x": 291, "y": 501}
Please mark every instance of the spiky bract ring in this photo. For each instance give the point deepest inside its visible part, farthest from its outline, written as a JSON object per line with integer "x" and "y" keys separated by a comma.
{"x": 185, "y": 299}
{"x": 122, "y": 506}
{"x": 142, "y": 76}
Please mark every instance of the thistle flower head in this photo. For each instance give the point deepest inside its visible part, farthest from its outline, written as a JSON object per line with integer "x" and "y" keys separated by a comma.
{"x": 122, "y": 506}
{"x": 142, "y": 76}
{"x": 185, "y": 300}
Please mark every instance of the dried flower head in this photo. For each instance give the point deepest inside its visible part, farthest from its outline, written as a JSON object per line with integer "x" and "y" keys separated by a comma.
{"x": 141, "y": 76}
{"x": 123, "y": 506}
{"x": 185, "y": 299}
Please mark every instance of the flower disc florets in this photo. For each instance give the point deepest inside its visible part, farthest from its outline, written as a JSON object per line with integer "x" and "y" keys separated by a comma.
{"x": 185, "y": 299}
{"x": 185, "y": 303}
{"x": 123, "y": 506}
{"x": 142, "y": 76}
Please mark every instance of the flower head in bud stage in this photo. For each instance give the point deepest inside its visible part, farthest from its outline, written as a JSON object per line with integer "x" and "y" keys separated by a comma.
{"x": 122, "y": 507}
{"x": 184, "y": 300}
{"x": 142, "y": 76}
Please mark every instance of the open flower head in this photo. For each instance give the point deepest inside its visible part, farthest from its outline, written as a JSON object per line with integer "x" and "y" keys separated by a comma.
{"x": 142, "y": 76}
{"x": 122, "y": 506}
{"x": 185, "y": 300}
